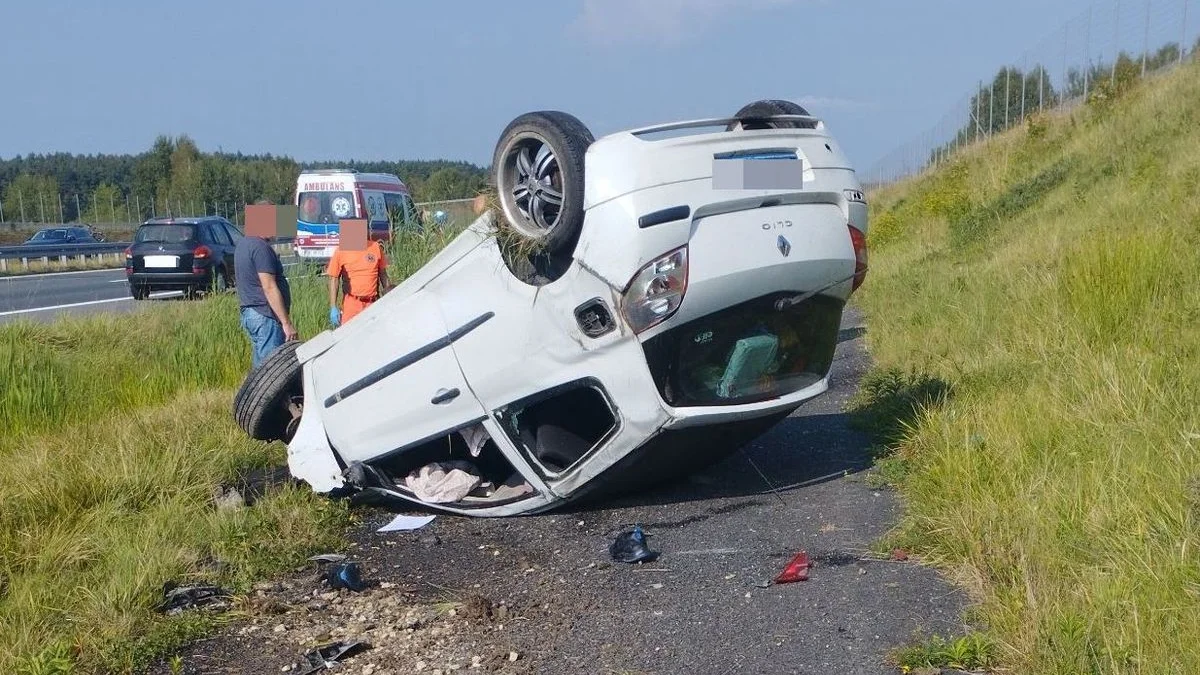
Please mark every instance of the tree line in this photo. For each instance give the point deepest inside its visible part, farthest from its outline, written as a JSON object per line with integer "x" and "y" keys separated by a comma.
{"x": 175, "y": 176}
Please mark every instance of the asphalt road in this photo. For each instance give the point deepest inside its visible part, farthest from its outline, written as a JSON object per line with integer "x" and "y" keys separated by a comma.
{"x": 699, "y": 608}
{"x": 42, "y": 297}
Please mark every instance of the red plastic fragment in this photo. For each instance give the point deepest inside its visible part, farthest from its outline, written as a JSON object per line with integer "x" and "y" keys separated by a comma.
{"x": 899, "y": 554}
{"x": 796, "y": 570}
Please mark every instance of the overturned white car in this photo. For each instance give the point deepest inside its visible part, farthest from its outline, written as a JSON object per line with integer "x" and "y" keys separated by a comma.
{"x": 640, "y": 306}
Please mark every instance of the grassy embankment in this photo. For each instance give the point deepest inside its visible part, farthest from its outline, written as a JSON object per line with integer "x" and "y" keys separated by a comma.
{"x": 1040, "y": 296}
{"x": 114, "y": 431}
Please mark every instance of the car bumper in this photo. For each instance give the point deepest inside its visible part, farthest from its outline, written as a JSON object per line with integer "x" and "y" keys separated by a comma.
{"x": 169, "y": 280}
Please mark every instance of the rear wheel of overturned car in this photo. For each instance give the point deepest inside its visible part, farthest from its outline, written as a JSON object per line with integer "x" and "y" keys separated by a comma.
{"x": 538, "y": 176}
{"x": 765, "y": 108}
{"x": 268, "y": 405}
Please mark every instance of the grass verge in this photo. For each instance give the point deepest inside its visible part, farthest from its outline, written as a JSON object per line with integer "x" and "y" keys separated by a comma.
{"x": 115, "y": 430}
{"x": 1034, "y": 319}
{"x": 98, "y": 516}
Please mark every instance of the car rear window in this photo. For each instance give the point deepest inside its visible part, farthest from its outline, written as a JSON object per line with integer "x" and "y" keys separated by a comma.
{"x": 167, "y": 234}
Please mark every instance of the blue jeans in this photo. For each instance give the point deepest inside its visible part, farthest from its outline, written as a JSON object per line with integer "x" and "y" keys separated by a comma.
{"x": 266, "y": 334}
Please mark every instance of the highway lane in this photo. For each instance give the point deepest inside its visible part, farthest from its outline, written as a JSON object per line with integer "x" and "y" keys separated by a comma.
{"x": 42, "y": 297}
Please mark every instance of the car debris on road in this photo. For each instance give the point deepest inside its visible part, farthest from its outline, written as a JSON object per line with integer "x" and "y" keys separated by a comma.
{"x": 631, "y": 547}
{"x": 634, "y": 309}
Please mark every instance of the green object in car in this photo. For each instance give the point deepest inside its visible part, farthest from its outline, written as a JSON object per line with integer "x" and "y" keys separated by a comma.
{"x": 749, "y": 360}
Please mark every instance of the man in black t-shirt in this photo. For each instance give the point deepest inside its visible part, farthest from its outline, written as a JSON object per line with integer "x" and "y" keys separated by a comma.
{"x": 264, "y": 296}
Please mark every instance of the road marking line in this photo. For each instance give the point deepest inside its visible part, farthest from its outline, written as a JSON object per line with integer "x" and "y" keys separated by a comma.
{"x": 37, "y": 275}
{"x": 163, "y": 294}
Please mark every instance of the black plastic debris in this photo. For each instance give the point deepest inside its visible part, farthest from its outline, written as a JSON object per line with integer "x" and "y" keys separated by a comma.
{"x": 345, "y": 575}
{"x": 329, "y": 656}
{"x": 179, "y": 598}
{"x": 630, "y": 547}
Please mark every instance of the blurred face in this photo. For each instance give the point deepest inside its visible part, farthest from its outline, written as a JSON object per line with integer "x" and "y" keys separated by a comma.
{"x": 353, "y": 235}
{"x": 310, "y": 208}
{"x": 270, "y": 220}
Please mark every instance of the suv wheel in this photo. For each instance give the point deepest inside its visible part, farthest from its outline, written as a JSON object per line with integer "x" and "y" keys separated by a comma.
{"x": 219, "y": 282}
{"x": 139, "y": 292}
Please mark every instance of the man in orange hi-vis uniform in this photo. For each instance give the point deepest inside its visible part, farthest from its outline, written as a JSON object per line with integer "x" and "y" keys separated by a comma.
{"x": 359, "y": 268}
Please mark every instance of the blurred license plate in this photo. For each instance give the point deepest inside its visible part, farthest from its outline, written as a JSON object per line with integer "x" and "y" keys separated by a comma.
{"x": 162, "y": 261}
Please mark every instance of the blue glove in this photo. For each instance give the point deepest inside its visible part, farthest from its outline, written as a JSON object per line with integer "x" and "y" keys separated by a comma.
{"x": 335, "y": 316}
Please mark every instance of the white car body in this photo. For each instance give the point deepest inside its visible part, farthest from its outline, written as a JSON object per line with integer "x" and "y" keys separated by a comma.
{"x": 381, "y": 386}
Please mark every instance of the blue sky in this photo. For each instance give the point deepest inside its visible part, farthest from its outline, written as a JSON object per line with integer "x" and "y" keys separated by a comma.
{"x": 427, "y": 80}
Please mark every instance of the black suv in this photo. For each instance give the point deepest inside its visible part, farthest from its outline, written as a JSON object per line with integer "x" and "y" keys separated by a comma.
{"x": 185, "y": 254}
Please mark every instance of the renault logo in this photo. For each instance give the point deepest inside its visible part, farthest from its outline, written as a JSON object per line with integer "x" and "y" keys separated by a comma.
{"x": 784, "y": 247}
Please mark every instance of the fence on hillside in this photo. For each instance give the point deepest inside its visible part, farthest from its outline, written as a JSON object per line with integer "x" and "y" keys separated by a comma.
{"x": 1110, "y": 42}
{"x": 36, "y": 211}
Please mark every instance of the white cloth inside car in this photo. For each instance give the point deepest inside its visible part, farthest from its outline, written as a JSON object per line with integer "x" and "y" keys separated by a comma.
{"x": 443, "y": 482}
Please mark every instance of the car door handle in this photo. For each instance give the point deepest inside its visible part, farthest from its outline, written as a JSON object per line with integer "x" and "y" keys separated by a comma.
{"x": 444, "y": 395}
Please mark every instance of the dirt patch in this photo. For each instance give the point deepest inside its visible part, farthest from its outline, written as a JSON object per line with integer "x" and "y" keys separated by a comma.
{"x": 400, "y": 632}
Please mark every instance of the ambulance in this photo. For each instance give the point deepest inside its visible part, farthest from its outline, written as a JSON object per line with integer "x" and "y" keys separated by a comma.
{"x": 326, "y": 196}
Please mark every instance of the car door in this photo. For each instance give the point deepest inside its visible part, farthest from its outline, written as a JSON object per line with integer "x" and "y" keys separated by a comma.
{"x": 391, "y": 380}
{"x": 234, "y": 237}
{"x": 225, "y": 244}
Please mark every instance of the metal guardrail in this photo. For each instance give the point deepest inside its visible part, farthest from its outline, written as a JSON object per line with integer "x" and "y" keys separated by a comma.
{"x": 61, "y": 250}
{"x": 61, "y": 253}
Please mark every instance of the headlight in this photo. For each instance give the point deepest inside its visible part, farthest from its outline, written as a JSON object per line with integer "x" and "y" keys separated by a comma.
{"x": 656, "y": 291}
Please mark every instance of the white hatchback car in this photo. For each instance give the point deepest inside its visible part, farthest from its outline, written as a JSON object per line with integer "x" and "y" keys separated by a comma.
{"x": 637, "y": 308}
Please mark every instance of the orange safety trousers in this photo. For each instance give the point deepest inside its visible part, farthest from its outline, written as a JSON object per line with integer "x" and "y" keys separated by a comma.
{"x": 352, "y": 306}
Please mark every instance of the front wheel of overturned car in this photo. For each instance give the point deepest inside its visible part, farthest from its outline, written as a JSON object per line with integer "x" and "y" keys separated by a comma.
{"x": 268, "y": 405}
{"x": 538, "y": 174}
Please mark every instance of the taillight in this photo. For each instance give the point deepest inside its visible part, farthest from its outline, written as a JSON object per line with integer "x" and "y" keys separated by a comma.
{"x": 860, "y": 257}
{"x": 656, "y": 291}
{"x": 201, "y": 252}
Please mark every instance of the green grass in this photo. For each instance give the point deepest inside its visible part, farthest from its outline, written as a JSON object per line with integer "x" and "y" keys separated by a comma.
{"x": 970, "y": 652}
{"x": 114, "y": 431}
{"x": 1034, "y": 316}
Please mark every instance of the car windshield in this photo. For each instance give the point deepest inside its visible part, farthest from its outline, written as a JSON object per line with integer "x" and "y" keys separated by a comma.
{"x": 167, "y": 234}
{"x": 325, "y": 207}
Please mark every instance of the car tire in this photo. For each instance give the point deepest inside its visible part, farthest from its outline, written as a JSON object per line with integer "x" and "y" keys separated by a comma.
{"x": 139, "y": 292}
{"x": 220, "y": 282}
{"x": 544, "y": 149}
{"x": 260, "y": 406}
{"x": 770, "y": 106}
